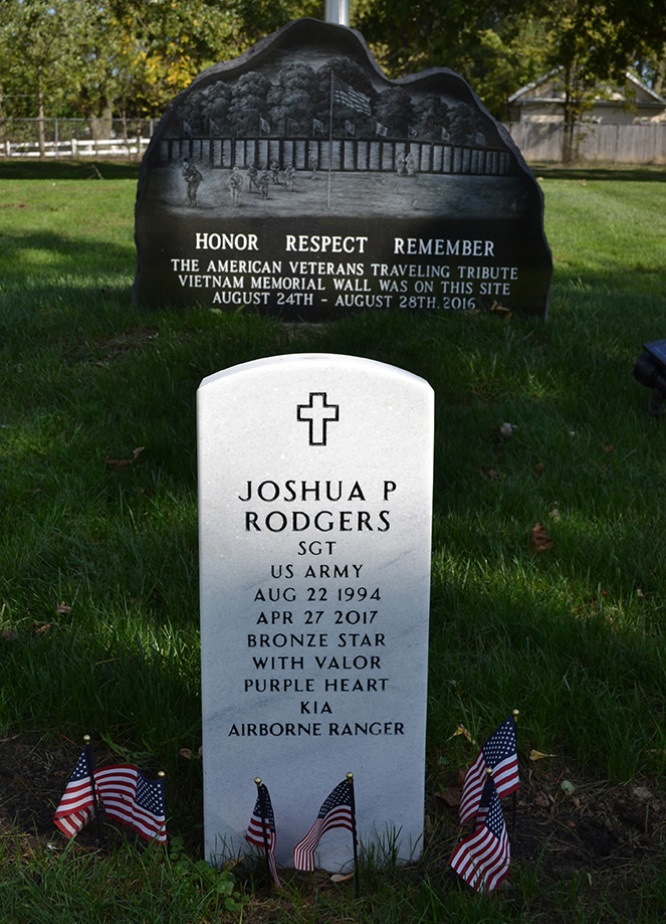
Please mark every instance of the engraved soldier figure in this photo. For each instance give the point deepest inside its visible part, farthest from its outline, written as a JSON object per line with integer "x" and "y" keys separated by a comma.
{"x": 193, "y": 179}
{"x": 235, "y": 185}
{"x": 252, "y": 174}
{"x": 264, "y": 183}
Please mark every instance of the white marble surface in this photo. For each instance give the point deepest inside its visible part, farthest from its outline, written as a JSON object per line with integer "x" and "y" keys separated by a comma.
{"x": 315, "y": 584}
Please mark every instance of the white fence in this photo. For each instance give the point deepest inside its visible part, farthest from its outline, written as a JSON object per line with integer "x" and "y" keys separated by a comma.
{"x": 74, "y": 138}
{"x": 109, "y": 147}
{"x": 609, "y": 144}
{"x": 538, "y": 142}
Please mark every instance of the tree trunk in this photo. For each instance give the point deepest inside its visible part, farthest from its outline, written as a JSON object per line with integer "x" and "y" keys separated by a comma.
{"x": 41, "y": 122}
{"x": 101, "y": 125}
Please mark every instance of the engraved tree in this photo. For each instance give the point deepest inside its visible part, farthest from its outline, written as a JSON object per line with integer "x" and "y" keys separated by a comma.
{"x": 249, "y": 109}
{"x": 432, "y": 118}
{"x": 292, "y": 100}
{"x": 395, "y": 111}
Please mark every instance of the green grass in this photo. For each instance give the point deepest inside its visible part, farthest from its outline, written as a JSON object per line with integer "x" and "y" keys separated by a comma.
{"x": 572, "y": 636}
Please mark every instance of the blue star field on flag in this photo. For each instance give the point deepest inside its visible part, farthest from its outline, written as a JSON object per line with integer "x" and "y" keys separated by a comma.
{"x": 498, "y": 755}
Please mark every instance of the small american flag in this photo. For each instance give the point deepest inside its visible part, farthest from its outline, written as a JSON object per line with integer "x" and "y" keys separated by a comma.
{"x": 483, "y": 858}
{"x": 336, "y": 812}
{"x": 499, "y": 756}
{"x": 261, "y": 830}
{"x": 77, "y": 805}
{"x": 132, "y": 799}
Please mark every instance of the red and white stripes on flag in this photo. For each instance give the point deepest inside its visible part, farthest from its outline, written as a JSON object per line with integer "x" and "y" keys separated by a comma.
{"x": 123, "y": 792}
{"x": 261, "y": 831}
{"x": 133, "y": 800}
{"x": 483, "y": 858}
{"x": 337, "y": 811}
{"x": 77, "y": 805}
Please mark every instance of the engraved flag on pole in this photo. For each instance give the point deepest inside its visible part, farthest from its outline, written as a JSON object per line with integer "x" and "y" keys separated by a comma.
{"x": 348, "y": 96}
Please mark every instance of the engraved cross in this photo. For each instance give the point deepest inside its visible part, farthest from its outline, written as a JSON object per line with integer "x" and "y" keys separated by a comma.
{"x": 318, "y": 413}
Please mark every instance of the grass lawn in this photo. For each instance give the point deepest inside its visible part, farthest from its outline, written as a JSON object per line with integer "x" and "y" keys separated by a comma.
{"x": 99, "y": 582}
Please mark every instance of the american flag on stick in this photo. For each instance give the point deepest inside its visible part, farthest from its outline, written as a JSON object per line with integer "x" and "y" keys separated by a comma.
{"x": 337, "y": 811}
{"x": 483, "y": 858}
{"x": 261, "y": 830}
{"x": 499, "y": 756}
{"x": 121, "y": 790}
{"x": 133, "y": 800}
{"x": 77, "y": 805}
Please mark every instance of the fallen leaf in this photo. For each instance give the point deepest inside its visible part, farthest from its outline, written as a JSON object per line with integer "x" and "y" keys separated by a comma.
{"x": 461, "y": 730}
{"x": 42, "y": 629}
{"x": 9, "y": 635}
{"x": 490, "y": 474}
{"x": 450, "y": 796}
{"x": 501, "y": 311}
{"x": 507, "y": 429}
{"x": 539, "y": 755}
{"x": 540, "y": 541}
{"x": 63, "y": 609}
{"x": 538, "y": 469}
{"x": 117, "y": 465}
{"x": 341, "y": 877}
{"x": 186, "y": 753}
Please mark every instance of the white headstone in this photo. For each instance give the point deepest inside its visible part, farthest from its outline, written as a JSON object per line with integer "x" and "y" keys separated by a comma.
{"x": 315, "y": 493}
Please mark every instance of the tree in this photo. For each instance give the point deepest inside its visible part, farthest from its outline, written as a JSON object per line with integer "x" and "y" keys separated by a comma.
{"x": 593, "y": 43}
{"x": 500, "y": 45}
{"x": 41, "y": 42}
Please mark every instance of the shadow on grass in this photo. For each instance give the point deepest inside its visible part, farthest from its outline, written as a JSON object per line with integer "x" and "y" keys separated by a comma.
{"x": 68, "y": 170}
{"x": 40, "y": 254}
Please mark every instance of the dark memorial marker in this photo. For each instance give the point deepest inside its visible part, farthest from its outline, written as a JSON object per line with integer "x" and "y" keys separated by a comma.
{"x": 298, "y": 181}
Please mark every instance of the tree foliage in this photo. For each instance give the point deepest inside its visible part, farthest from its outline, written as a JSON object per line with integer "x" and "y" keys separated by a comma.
{"x": 94, "y": 58}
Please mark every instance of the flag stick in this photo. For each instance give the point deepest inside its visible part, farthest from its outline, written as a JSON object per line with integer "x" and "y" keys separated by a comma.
{"x": 514, "y": 801}
{"x": 90, "y": 760}
{"x": 262, "y": 809}
{"x": 350, "y": 778}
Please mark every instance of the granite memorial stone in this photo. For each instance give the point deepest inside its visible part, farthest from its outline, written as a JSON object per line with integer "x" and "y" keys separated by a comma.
{"x": 315, "y": 493}
{"x": 299, "y": 181}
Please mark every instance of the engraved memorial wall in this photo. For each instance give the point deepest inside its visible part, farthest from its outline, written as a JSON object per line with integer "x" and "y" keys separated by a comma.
{"x": 315, "y": 493}
{"x": 299, "y": 181}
